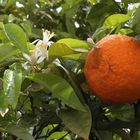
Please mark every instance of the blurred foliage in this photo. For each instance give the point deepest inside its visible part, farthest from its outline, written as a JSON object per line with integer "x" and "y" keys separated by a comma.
{"x": 78, "y": 19}
{"x": 43, "y": 92}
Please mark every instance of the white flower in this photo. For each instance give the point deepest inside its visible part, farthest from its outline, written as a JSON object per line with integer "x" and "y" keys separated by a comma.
{"x": 41, "y": 48}
{"x": 45, "y": 43}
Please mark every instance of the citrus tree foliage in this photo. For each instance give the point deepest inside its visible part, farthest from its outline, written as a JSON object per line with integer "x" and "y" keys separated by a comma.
{"x": 43, "y": 92}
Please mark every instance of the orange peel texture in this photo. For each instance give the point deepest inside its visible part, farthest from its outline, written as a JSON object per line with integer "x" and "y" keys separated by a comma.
{"x": 113, "y": 69}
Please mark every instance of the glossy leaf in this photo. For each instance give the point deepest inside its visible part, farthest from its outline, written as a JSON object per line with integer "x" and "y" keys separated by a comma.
{"x": 17, "y": 36}
{"x": 69, "y": 48}
{"x": 125, "y": 31}
{"x": 3, "y": 103}
{"x": 58, "y": 50}
{"x": 77, "y": 45}
{"x": 57, "y": 135}
{"x": 59, "y": 88}
{"x": 116, "y": 19}
{"x": 7, "y": 50}
{"x": 78, "y": 122}
{"x": 11, "y": 84}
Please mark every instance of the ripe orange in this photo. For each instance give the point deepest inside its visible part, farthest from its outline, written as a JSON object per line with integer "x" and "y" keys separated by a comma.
{"x": 113, "y": 69}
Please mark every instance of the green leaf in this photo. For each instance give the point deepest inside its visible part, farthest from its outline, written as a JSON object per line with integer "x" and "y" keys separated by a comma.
{"x": 126, "y": 31}
{"x": 78, "y": 56}
{"x": 130, "y": 1}
{"x": 105, "y": 135}
{"x": 17, "y": 36}
{"x": 3, "y": 36}
{"x": 58, "y": 50}
{"x": 69, "y": 4}
{"x": 60, "y": 34}
{"x": 135, "y": 20}
{"x": 19, "y": 132}
{"x": 69, "y": 18}
{"x": 9, "y": 4}
{"x": 69, "y": 48}
{"x": 3, "y": 103}
{"x": 121, "y": 112}
{"x": 136, "y": 135}
{"x": 8, "y": 61}
{"x": 11, "y": 84}
{"x": 78, "y": 122}
{"x": 116, "y": 19}
{"x": 77, "y": 45}
{"x": 59, "y": 87}
{"x": 6, "y": 51}
{"x": 99, "y": 12}
{"x": 70, "y": 8}
{"x": 57, "y": 135}
{"x": 27, "y": 26}
{"x": 31, "y": 5}
{"x": 1, "y": 25}
{"x": 101, "y": 32}
{"x": 93, "y": 1}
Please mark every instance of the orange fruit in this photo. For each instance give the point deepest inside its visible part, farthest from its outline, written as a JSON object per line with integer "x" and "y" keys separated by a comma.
{"x": 113, "y": 69}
